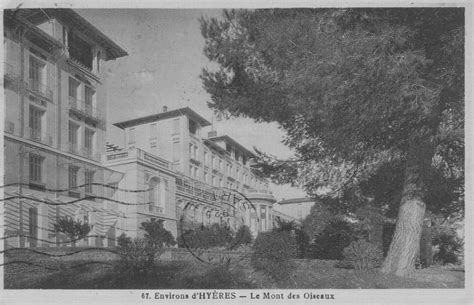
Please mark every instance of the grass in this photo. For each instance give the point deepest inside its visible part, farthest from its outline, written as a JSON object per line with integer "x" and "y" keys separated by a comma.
{"x": 315, "y": 274}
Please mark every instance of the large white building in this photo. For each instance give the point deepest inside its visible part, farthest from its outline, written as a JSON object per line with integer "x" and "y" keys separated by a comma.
{"x": 195, "y": 176}
{"x": 56, "y": 163}
{"x": 55, "y": 118}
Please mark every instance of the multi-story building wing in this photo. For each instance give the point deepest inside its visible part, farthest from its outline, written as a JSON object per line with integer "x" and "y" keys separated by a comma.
{"x": 206, "y": 167}
{"x": 55, "y": 122}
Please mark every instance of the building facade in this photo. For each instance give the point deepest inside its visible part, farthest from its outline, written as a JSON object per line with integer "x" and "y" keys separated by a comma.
{"x": 55, "y": 124}
{"x": 56, "y": 164}
{"x": 212, "y": 174}
{"x": 298, "y": 208}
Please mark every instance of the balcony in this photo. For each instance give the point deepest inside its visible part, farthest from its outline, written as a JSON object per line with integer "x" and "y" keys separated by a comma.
{"x": 137, "y": 154}
{"x": 195, "y": 188}
{"x": 155, "y": 209}
{"x": 86, "y": 110}
{"x": 39, "y": 136}
{"x": 39, "y": 88}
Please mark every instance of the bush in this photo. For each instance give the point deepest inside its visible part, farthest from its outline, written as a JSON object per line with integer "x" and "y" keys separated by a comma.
{"x": 336, "y": 236}
{"x": 137, "y": 257}
{"x": 206, "y": 237}
{"x": 123, "y": 240}
{"x": 363, "y": 255}
{"x": 242, "y": 237}
{"x": 272, "y": 254}
{"x": 301, "y": 237}
{"x": 450, "y": 247}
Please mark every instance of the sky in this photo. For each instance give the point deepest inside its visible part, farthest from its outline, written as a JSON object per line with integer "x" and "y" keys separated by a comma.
{"x": 165, "y": 60}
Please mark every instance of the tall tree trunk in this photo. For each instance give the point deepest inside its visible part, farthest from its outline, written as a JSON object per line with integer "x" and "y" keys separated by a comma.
{"x": 405, "y": 244}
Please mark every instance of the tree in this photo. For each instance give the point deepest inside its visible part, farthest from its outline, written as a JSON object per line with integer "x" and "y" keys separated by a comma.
{"x": 354, "y": 89}
{"x": 319, "y": 216}
{"x": 74, "y": 229}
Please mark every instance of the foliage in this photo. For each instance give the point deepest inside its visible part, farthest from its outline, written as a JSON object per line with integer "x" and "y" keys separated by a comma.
{"x": 273, "y": 252}
{"x": 336, "y": 236}
{"x": 355, "y": 90}
{"x": 301, "y": 238}
{"x": 318, "y": 217}
{"x": 450, "y": 247}
{"x": 205, "y": 237}
{"x": 138, "y": 256}
{"x": 363, "y": 255}
{"x": 243, "y": 236}
{"x": 74, "y": 229}
{"x": 123, "y": 240}
{"x": 156, "y": 234}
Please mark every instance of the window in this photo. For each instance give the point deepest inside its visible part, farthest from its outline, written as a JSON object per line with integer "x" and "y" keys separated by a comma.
{"x": 36, "y": 118}
{"x": 193, "y": 127}
{"x": 131, "y": 135}
{"x": 221, "y": 166}
{"x": 33, "y": 226}
{"x": 205, "y": 158}
{"x": 206, "y": 176}
{"x": 72, "y": 176}
{"x": 36, "y": 74}
{"x": 73, "y": 130}
{"x": 214, "y": 165}
{"x": 153, "y": 144}
{"x": 176, "y": 126}
{"x": 89, "y": 100}
{"x": 88, "y": 180}
{"x": 73, "y": 85}
{"x": 214, "y": 181}
{"x": 36, "y": 166}
{"x": 89, "y": 141}
{"x": 176, "y": 151}
{"x": 153, "y": 130}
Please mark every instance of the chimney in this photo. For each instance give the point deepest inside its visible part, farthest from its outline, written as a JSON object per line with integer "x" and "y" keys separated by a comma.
{"x": 165, "y": 108}
{"x": 212, "y": 134}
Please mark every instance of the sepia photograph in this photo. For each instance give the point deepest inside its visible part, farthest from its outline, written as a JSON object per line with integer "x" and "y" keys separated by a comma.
{"x": 220, "y": 153}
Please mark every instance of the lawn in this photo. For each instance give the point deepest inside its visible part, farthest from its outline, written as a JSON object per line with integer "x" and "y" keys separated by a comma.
{"x": 69, "y": 273}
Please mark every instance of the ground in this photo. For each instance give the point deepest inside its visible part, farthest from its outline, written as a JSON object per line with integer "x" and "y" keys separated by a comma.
{"x": 78, "y": 273}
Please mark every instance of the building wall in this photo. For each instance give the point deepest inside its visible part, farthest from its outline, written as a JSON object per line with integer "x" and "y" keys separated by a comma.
{"x": 297, "y": 210}
{"x": 51, "y": 96}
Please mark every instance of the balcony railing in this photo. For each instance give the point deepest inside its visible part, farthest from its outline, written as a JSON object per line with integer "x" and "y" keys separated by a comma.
{"x": 83, "y": 108}
{"x": 39, "y": 136}
{"x": 40, "y": 88}
{"x": 155, "y": 209}
{"x": 139, "y": 154}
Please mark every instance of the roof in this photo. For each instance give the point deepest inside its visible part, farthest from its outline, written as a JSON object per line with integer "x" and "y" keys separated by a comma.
{"x": 164, "y": 115}
{"x": 297, "y": 200}
{"x": 228, "y": 139}
{"x": 74, "y": 21}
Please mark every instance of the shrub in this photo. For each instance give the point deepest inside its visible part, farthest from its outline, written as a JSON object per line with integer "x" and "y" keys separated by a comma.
{"x": 156, "y": 234}
{"x": 137, "y": 257}
{"x": 123, "y": 240}
{"x": 242, "y": 237}
{"x": 336, "y": 236}
{"x": 206, "y": 237}
{"x": 74, "y": 229}
{"x": 273, "y": 252}
{"x": 301, "y": 237}
{"x": 450, "y": 247}
{"x": 363, "y": 255}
